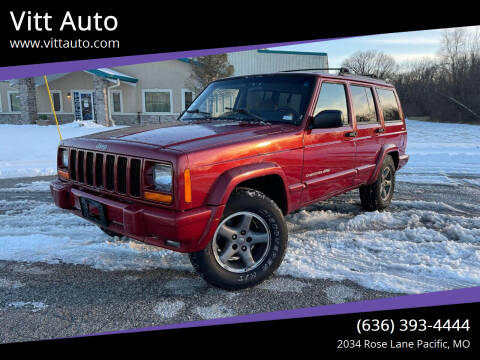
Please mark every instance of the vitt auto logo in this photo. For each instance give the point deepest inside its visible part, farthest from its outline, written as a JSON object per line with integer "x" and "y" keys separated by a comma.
{"x": 38, "y": 22}
{"x": 102, "y": 147}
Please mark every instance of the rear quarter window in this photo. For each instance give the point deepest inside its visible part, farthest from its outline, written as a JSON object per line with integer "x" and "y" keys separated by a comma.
{"x": 389, "y": 105}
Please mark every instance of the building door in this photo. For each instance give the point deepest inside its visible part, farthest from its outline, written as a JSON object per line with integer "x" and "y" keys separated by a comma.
{"x": 86, "y": 105}
{"x": 83, "y": 105}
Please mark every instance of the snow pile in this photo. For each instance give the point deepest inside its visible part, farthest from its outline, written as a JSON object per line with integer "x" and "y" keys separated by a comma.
{"x": 415, "y": 249}
{"x": 31, "y": 150}
{"x": 33, "y": 305}
{"x": 409, "y": 251}
{"x": 34, "y": 186}
{"x": 54, "y": 236}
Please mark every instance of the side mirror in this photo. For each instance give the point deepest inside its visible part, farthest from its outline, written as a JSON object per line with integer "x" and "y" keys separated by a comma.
{"x": 327, "y": 119}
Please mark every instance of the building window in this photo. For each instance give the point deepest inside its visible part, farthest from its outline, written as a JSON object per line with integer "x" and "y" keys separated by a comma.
{"x": 187, "y": 98}
{"x": 57, "y": 100}
{"x": 116, "y": 101}
{"x": 14, "y": 104}
{"x": 157, "y": 101}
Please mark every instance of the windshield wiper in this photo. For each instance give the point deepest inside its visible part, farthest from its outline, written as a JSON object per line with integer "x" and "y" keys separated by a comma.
{"x": 196, "y": 111}
{"x": 246, "y": 112}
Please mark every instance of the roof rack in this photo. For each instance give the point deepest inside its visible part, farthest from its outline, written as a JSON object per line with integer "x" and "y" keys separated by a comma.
{"x": 341, "y": 71}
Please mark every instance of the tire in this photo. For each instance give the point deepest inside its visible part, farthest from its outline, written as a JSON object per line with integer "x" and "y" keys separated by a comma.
{"x": 110, "y": 233}
{"x": 378, "y": 195}
{"x": 235, "y": 260}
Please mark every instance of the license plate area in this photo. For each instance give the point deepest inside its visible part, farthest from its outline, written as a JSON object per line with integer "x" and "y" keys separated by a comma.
{"x": 94, "y": 211}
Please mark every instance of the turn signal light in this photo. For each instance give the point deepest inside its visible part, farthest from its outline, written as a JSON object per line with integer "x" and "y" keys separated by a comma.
{"x": 188, "y": 186}
{"x": 164, "y": 198}
{"x": 63, "y": 174}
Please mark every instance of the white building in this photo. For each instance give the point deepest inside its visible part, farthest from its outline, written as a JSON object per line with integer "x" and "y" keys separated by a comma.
{"x": 267, "y": 61}
{"x": 137, "y": 94}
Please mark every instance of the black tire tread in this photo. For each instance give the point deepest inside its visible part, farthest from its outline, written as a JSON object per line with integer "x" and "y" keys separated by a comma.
{"x": 370, "y": 194}
{"x": 198, "y": 261}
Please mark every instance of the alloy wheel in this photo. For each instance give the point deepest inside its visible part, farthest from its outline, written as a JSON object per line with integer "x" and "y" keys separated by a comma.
{"x": 241, "y": 242}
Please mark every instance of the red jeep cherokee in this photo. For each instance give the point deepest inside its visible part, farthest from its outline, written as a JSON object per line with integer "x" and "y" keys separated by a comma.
{"x": 249, "y": 150}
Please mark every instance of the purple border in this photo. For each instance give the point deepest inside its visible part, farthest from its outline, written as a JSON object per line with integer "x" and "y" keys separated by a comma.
{"x": 458, "y": 296}
{"x": 22, "y": 71}
{"x": 449, "y": 297}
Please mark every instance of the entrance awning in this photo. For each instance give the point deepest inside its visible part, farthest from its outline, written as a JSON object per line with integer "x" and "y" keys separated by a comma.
{"x": 113, "y": 75}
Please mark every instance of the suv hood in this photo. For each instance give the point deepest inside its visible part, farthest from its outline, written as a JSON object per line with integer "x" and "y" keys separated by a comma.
{"x": 191, "y": 136}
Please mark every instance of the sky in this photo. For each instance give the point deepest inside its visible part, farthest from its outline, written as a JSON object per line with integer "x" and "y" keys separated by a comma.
{"x": 403, "y": 46}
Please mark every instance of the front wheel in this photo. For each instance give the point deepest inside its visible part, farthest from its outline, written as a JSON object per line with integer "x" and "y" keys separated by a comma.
{"x": 248, "y": 245}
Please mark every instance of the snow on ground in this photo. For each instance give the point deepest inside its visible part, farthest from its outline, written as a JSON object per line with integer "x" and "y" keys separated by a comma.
{"x": 30, "y": 150}
{"x": 29, "y": 187}
{"x": 54, "y": 236}
{"x": 33, "y": 305}
{"x": 438, "y": 151}
{"x": 415, "y": 249}
{"x": 417, "y": 246}
{"x": 408, "y": 251}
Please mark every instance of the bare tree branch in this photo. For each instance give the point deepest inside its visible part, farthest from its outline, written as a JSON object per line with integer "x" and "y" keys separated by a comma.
{"x": 371, "y": 62}
{"x": 206, "y": 69}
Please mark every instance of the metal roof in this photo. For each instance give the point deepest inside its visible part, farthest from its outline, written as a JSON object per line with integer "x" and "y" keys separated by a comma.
{"x": 113, "y": 74}
{"x": 291, "y": 52}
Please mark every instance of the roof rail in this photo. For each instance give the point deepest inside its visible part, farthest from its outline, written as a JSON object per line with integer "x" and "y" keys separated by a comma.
{"x": 341, "y": 70}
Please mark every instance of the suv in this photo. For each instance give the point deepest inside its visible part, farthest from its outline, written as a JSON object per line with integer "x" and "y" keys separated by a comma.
{"x": 218, "y": 183}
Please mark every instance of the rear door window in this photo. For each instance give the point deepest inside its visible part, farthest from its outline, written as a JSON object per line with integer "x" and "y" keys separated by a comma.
{"x": 389, "y": 105}
{"x": 363, "y": 104}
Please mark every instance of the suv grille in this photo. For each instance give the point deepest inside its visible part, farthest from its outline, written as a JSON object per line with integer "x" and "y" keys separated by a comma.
{"x": 103, "y": 171}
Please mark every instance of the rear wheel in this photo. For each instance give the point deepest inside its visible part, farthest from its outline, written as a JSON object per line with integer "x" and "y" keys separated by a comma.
{"x": 378, "y": 195}
{"x": 248, "y": 245}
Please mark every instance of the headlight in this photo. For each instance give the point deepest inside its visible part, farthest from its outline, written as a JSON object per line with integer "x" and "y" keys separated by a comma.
{"x": 65, "y": 158}
{"x": 162, "y": 177}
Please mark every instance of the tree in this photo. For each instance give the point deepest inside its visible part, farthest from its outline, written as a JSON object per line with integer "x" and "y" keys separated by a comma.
{"x": 446, "y": 89}
{"x": 206, "y": 69}
{"x": 415, "y": 86}
{"x": 371, "y": 62}
{"x": 452, "y": 49}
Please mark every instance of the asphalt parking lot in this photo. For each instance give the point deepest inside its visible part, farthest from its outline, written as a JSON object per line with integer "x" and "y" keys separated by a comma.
{"x": 40, "y": 300}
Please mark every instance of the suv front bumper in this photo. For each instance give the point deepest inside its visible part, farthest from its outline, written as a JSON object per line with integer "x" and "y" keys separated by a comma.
{"x": 183, "y": 231}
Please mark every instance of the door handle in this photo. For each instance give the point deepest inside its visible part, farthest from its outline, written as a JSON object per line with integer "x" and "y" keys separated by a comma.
{"x": 380, "y": 130}
{"x": 351, "y": 134}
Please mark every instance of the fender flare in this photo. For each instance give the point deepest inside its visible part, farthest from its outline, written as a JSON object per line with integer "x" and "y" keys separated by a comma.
{"x": 223, "y": 187}
{"x": 384, "y": 151}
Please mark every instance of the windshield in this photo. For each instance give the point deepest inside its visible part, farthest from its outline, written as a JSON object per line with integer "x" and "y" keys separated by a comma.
{"x": 269, "y": 98}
